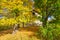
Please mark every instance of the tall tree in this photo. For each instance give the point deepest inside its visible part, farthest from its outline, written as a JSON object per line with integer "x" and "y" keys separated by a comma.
{"x": 47, "y": 7}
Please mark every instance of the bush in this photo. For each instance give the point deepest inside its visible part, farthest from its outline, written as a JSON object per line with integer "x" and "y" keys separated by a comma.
{"x": 50, "y": 33}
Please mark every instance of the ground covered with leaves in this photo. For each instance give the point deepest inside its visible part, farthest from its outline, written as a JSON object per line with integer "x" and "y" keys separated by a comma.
{"x": 21, "y": 34}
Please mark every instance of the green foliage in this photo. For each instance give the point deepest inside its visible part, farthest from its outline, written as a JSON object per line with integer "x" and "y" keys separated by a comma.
{"x": 47, "y": 8}
{"x": 49, "y": 33}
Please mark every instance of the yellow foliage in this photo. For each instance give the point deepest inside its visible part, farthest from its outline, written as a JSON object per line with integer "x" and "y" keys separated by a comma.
{"x": 10, "y": 5}
{"x": 13, "y": 4}
{"x": 7, "y": 22}
{"x": 1, "y": 11}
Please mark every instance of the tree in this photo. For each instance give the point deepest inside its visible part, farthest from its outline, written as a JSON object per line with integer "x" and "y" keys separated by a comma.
{"x": 48, "y": 8}
{"x": 18, "y": 9}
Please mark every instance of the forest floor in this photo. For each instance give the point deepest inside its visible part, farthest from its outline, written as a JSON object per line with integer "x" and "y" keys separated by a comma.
{"x": 25, "y": 34}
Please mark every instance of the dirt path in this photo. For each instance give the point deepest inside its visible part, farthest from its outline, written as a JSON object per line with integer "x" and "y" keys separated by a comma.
{"x": 21, "y": 34}
{"x": 28, "y": 31}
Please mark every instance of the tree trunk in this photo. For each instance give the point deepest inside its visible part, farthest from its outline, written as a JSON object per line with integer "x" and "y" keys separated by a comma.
{"x": 46, "y": 17}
